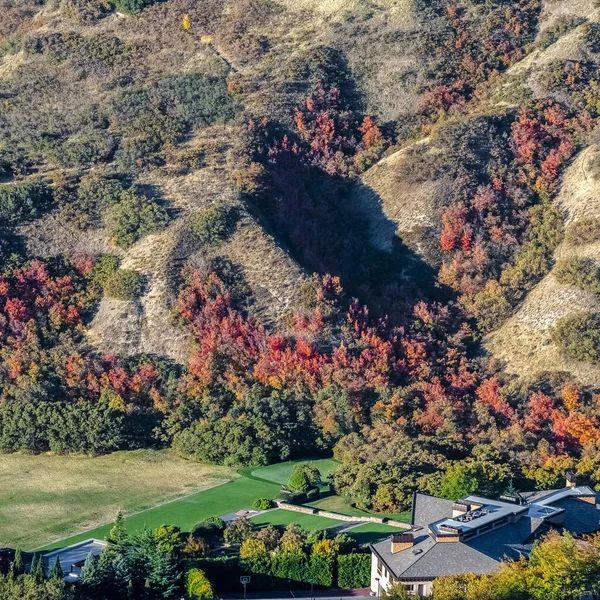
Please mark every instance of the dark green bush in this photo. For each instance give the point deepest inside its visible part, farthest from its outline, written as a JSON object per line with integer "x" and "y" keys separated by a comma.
{"x": 293, "y": 497}
{"x": 86, "y": 148}
{"x": 215, "y": 224}
{"x": 85, "y": 11}
{"x": 563, "y": 25}
{"x": 195, "y": 99}
{"x": 262, "y": 503}
{"x": 82, "y": 207}
{"x": 354, "y": 571}
{"x": 125, "y": 284}
{"x": 104, "y": 269}
{"x": 579, "y": 271}
{"x": 577, "y": 336}
{"x": 23, "y": 200}
{"x": 133, "y": 217}
{"x": 206, "y": 529}
{"x": 584, "y": 231}
{"x": 91, "y": 53}
{"x": 216, "y": 521}
{"x": 131, "y": 6}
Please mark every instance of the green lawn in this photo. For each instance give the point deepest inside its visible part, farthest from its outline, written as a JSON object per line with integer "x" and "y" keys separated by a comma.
{"x": 45, "y": 499}
{"x": 371, "y": 532}
{"x": 285, "y": 517}
{"x": 280, "y": 472}
{"x": 342, "y": 506}
{"x": 188, "y": 511}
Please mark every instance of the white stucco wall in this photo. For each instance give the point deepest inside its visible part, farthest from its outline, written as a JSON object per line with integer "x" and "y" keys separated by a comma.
{"x": 379, "y": 571}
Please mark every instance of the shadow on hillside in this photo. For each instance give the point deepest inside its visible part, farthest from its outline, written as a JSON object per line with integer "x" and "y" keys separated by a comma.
{"x": 324, "y": 232}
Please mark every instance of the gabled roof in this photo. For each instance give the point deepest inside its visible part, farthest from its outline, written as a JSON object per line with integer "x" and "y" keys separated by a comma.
{"x": 514, "y": 527}
{"x": 580, "y": 517}
{"x": 427, "y": 509}
{"x": 428, "y": 559}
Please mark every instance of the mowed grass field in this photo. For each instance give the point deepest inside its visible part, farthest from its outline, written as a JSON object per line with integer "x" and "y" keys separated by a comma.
{"x": 282, "y": 518}
{"x": 49, "y": 501}
{"x": 280, "y": 472}
{"x": 46, "y": 497}
{"x": 342, "y": 506}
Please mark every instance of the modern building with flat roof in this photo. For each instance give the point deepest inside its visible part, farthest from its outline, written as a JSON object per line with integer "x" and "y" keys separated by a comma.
{"x": 72, "y": 557}
{"x": 474, "y": 534}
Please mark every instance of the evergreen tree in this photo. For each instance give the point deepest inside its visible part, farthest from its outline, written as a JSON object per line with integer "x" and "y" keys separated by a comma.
{"x": 118, "y": 534}
{"x": 33, "y": 565}
{"x": 36, "y": 568}
{"x": 90, "y": 572}
{"x": 56, "y": 573}
{"x": 18, "y": 568}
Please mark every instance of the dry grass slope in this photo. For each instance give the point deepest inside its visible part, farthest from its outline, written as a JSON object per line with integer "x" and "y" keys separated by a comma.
{"x": 394, "y": 206}
{"x": 523, "y": 342}
{"x": 47, "y": 497}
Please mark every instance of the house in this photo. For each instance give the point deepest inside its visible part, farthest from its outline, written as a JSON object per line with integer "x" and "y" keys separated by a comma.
{"x": 72, "y": 557}
{"x": 474, "y": 534}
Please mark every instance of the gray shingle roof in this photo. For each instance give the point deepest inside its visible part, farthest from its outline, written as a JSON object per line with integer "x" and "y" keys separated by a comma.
{"x": 428, "y": 559}
{"x": 580, "y": 517}
{"x": 427, "y": 509}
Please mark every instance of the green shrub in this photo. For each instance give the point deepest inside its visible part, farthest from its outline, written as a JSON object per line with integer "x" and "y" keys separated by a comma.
{"x": 303, "y": 477}
{"x": 579, "y": 271}
{"x": 86, "y": 148}
{"x": 23, "y": 200}
{"x": 262, "y": 503}
{"x": 215, "y": 224}
{"x": 563, "y": 25}
{"x": 194, "y": 99}
{"x": 585, "y": 231}
{"x": 293, "y": 497}
{"x": 83, "y": 208}
{"x": 198, "y": 585}
{"x": 85, "y": 11}
{"x": 104, "y": 269}
{"x": 577, "y": 336}
{"x": 354, "y": 571}
{"x": 125, "y": 284}
{"x": 133, "y": 217}
{"x": 212, "y": 526}
{"x": 216, "y": 521}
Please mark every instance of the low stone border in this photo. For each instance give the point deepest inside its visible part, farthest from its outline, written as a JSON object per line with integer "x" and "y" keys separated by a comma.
{"x": 308, "y": 510}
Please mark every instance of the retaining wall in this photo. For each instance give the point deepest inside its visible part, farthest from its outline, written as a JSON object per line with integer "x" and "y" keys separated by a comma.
{"x": 307, "y": 510}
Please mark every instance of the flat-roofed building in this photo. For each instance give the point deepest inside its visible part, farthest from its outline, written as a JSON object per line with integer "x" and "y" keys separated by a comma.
{"x": 72, "y": 557}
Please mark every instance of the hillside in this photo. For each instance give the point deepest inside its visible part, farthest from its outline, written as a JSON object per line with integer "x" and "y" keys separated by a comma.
{"x": 252, "y": 231}
{"x": 523, "y": 343}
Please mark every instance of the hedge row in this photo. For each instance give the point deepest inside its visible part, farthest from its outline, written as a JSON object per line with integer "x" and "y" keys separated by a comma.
{"x": 350, "y": 571}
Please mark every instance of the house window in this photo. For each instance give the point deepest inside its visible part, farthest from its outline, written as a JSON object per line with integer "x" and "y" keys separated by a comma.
{"x": 379, "y": 567}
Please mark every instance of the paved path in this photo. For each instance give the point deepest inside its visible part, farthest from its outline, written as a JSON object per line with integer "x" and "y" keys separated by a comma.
{"x": 249, "y": 513}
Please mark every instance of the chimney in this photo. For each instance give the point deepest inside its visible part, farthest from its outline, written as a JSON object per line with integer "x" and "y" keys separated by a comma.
{"x": 460, "y": 508}
{"x": 571, "y": 479}
{"x": 401, "y": 541}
